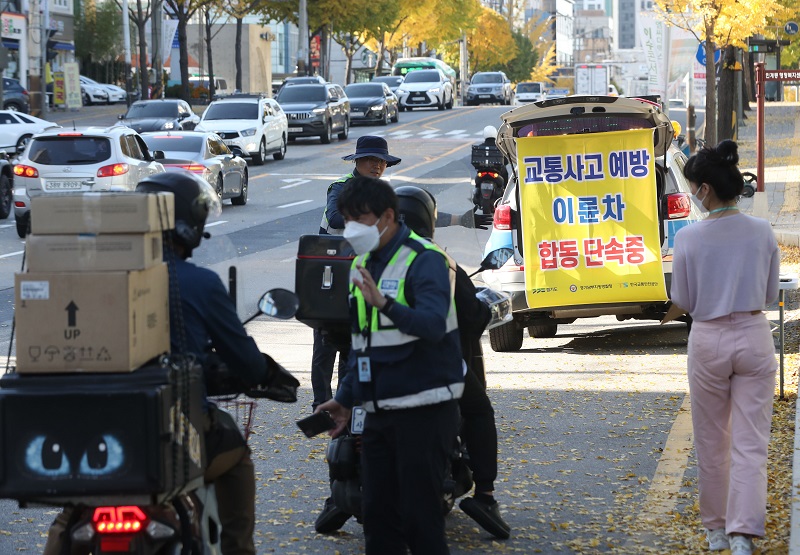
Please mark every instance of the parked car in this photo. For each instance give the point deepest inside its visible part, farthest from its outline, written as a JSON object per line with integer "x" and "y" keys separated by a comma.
{"x": 205, "y": 154}
{"x": 80, "y": 160}
{"x": 316, "y": 111}
{"x": 579, "y": 114}
{"x": 115, "y": 93}
{"x": 372, "y": 102}
{"x": 15, "y": 96}
{"x": 394, "y": 81}
{"x": 425, "y": 88}
{"x": 254, "y": 123}
{"x": 160, "y": 114}
{"x": 489, "y": 86}
{"x": 529, "y": 91}
{"x": 93, "y": 94}
{"x": 17, "y": 128}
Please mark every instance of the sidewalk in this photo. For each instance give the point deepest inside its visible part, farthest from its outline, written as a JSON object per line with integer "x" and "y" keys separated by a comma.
{"x": 782, "y": 187}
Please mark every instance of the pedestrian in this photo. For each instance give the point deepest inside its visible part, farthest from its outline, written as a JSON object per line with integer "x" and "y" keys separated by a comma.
{"x": 371, "y": 159}
{"x": 725, "y": 272}
{"x": 417, "y": 208}
{"x": 404, "y": 327}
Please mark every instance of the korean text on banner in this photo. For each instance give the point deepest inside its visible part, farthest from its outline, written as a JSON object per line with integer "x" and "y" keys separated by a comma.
{"x": 590, "y": 219}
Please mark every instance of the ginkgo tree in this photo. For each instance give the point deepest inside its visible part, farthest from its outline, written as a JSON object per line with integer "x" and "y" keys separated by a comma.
{"x": 490, "y": 44}
{"x": 722, "y": 24}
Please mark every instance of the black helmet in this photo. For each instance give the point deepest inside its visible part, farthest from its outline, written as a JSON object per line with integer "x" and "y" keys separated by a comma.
{"x": 194, "y": 200}
{"x": 417, "y": 208}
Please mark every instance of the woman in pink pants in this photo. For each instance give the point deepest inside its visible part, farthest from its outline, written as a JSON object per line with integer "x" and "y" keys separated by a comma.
{"x": 725, "y": 271}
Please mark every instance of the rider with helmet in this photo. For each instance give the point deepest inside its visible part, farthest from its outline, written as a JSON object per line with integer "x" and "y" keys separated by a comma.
{"x": 417, "y": 208}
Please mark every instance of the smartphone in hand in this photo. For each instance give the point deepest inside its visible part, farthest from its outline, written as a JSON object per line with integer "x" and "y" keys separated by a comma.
{"x": 316, "y": 424}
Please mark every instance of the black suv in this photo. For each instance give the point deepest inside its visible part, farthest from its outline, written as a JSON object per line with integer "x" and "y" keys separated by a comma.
{"x": 15, "y": 96}
{"x": 317, "y": 110}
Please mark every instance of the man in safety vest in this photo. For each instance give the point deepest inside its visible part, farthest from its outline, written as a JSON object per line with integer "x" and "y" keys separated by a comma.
{"x": 405, "y": 366}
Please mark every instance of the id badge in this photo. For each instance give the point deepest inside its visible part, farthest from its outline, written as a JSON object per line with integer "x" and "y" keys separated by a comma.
{"x": 364, "y": 370}
{"x": 357, "y": 420}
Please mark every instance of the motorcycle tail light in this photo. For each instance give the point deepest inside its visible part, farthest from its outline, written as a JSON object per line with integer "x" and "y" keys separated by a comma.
{"x": 25, "y": 171}
{"x": 128, "y": 519}
{"x": 113, "y": 170}
{"x": 502, "y": 217}
{"x": 493, "y": 175}
{"x": 678, "y": 205}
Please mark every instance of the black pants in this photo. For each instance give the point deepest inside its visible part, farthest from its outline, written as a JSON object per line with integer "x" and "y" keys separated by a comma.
{"x": 404, "y": 457}
{"x": 322, "y": 361}
{"x": 479, "y": 433}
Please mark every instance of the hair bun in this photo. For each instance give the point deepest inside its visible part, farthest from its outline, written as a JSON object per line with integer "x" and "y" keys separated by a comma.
{"x": 728, "y": 151}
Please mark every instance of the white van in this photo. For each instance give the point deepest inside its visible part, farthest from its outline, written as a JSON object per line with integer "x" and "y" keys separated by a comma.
{"x": 220, "y": 84}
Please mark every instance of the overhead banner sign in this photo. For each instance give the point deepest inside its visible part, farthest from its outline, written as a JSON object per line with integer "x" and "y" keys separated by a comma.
{"x": 590, "y": 219}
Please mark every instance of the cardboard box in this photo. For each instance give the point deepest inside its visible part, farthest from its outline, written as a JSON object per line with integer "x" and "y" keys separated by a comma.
{"x": 93, "y": 253}
{"x": 102, "y": 212}
{"x": 91, "y": 321}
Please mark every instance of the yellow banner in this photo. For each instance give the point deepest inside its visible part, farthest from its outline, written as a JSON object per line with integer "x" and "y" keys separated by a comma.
{"x": 590, "y": 219}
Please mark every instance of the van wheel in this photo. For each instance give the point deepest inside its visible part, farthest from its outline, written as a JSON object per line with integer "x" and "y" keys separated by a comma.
{"x": 541, "y": 331}
{"x": 258, "y": 157}
{"x": 506, "y": 338}
{"x": 281, "y": 154}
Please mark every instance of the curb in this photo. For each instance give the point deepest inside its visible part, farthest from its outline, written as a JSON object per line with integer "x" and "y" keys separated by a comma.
{"x": 787, "y": 238}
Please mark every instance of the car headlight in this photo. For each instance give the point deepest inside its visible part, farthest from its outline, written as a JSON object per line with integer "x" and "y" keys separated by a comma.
{"x": 435, "y": 90}
{"x": 318, "y": 110}
{"x": 402, "y": 91}
{"x": 248, "y": 132}
{"x": 377, "y": 108}
{"x": 169, "y": 125}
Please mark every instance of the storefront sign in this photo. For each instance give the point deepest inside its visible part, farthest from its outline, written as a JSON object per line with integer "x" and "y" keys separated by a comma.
{"x": 12, "y": 26}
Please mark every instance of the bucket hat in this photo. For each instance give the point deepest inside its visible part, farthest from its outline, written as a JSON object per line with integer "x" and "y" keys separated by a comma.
{"x": 370, "y": 145}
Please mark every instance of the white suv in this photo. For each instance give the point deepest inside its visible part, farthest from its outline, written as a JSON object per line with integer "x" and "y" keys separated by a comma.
{"x": 425, "y": 88}
{"x": 84, "y": 159}
{"x": 254, "y": 123}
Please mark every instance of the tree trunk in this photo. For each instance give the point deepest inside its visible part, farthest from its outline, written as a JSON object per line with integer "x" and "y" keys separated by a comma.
{"x": 727, "y": 86}
{"x": 144, "y": 78}
{"x": 212, "y": 89}
{"x": 238, "y": 54}
{"x": 184, "y": 56}
{"x": 747, "y": 80}
{"x": 711, "y": 88}
{"x": 380, "y": 56}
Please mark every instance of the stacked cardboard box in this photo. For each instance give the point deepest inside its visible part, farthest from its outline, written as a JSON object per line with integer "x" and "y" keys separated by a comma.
{"x": 94, "y": 297}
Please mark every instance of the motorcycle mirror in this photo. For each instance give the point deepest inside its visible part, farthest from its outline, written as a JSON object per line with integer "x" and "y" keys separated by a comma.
{"x": 495, "y": 260}
{"x": 279, "y": 303}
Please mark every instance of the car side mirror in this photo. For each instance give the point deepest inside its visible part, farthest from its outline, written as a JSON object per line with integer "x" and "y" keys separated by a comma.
{"x": 236, "y": 151}
{"x": 121, "y": 116}
{"x": 183, "y": 116}
{"x": 157, "y": 155}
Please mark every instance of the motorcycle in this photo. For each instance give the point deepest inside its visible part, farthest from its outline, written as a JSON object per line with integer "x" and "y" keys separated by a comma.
{"x": 490, "y": 178}
{"x": 182, "y": 517}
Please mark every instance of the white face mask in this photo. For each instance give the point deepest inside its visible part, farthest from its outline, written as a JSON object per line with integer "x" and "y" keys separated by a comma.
{"x": 362, "y": 237}
{"x": 699, "y": 202}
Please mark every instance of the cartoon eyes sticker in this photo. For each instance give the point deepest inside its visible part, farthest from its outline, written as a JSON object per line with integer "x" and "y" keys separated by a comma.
{"x": 46, "y": 457}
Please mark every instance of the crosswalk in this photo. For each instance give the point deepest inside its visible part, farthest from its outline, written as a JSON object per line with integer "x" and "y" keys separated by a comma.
{"x": 455, "y": 134}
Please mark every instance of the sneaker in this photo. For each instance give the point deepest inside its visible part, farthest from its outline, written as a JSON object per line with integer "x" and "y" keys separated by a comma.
{"x": 488, "y": 516}
{"x": 717, "y": 539}
{"x": 331, "y": 518}
{"x": 741, "y": 545}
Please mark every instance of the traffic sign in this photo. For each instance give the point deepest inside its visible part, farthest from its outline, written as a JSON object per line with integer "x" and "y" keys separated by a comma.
{"x": 791, "y": 28}
{"x": 701, "y": 54}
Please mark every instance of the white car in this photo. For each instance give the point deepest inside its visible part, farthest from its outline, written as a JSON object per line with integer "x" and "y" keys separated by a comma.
{"x": 115, "y": 93}
{"x": 93, "y": 94}
{"x": 425, "y": 88}
{"x": 80, "y": 160}
{"x": 17, "y": 128}
{"x": 254, "y": 123}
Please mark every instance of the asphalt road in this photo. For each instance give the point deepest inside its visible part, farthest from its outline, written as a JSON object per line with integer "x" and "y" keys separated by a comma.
{"x": 590, "y": 422}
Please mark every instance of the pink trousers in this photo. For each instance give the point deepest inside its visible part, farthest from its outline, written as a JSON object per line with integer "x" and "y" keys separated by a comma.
{"x": 732, "y": 384}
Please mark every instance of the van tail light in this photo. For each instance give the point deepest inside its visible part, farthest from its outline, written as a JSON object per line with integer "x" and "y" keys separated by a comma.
{"x": 679, "y": 205}
{"x": 25, "y": 171}
{"x": 502, "y": 217}
{"x": 128, "y": 519}
{"x": 194, "y": 168}
{"x": 113, "y": 170}
{"x": 493, "y": 175}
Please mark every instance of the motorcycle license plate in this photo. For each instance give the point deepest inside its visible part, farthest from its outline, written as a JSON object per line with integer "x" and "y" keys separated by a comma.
{"x": 357, "y": 420}
{"x": 485, "y": 186}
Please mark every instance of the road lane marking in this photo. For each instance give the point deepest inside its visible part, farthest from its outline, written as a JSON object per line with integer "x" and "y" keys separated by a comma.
{"x": 7, "y": 225}
{"x": 294, "y": 182}
{"x": 11, "y": 254}
{"x": 294, "y": 203}
{"x": 212, "y": 224}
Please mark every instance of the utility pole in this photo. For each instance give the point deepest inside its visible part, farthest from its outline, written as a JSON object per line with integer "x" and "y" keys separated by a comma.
{"x": 302, "y": 39}
{"x": 45, "y": 22}
{"x": 126, "y": 38}
{"x": 156, "y": 48}
{"x": 464, "y": 67}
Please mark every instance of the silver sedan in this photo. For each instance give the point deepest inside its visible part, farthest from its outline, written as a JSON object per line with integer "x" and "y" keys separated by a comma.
{"x": 205, "y": 154}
